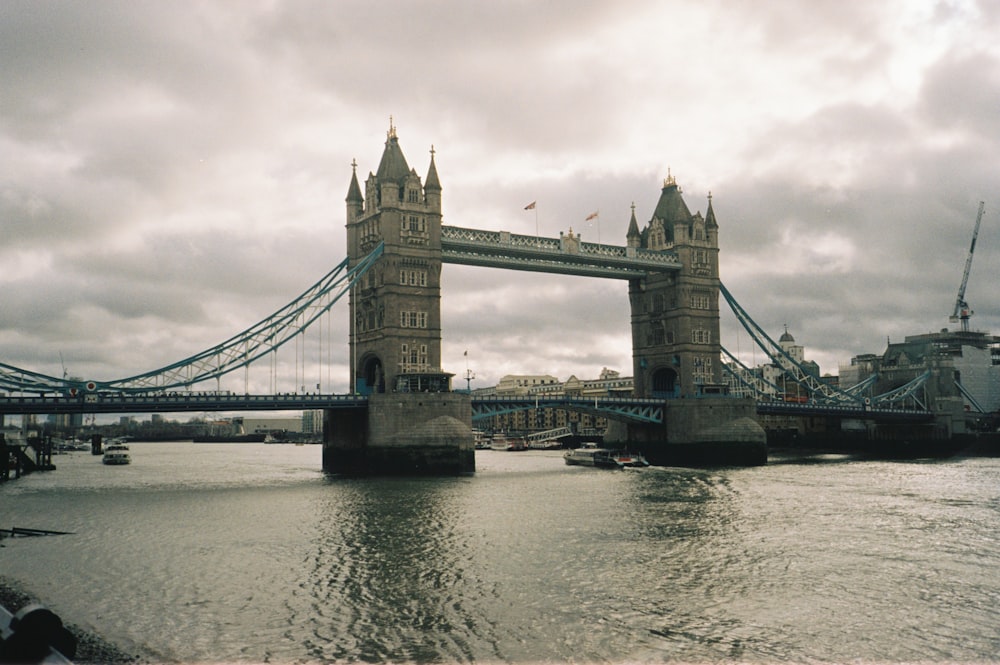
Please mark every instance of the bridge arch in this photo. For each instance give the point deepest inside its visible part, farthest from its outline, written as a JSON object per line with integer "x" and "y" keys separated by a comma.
{"x": 372, "y": 374}
{"x": 666, "y": 383}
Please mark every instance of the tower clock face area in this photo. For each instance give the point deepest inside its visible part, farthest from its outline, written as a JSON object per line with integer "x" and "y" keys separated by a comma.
{"x": 396, "y": 305}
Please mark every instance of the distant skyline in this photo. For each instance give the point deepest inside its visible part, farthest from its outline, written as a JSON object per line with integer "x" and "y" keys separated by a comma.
{"x": 175, "y": 172}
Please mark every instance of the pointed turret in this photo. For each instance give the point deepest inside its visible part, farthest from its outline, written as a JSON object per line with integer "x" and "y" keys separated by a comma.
{"x": 432, "y": 186}
{"x": 671, "y": 207}
{"x": 710, "y": 222}
{"x": 355, "y": 201}
{"x": 393, "y": 167}
{"x": 432, "y": 181}
{"x": 633, "y": 238}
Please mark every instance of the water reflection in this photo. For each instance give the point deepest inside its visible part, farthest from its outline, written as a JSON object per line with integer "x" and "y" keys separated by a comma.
{"x": 388, "y": 577}
{"x": 251, "y": 555}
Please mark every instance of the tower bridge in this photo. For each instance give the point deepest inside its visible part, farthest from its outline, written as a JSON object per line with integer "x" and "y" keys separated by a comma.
{"x": 401, "y": 415}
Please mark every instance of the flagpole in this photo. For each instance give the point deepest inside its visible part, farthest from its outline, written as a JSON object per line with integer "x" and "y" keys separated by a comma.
{"x": 534, "y": 206}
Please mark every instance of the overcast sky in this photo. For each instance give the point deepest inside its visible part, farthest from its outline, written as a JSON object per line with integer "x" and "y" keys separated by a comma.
{"x": 173, "y": 173}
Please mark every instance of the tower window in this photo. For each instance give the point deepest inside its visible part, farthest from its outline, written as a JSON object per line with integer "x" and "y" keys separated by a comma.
{"x": 413, "y": 278}
{"x": 700, "y": 300}
{"x": 413, "y": 319}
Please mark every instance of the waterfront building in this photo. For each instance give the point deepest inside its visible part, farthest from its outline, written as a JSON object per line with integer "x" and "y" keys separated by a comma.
{"x": 772, "y": 380}
{"x": 609, "y": 383}
{"x": 963, "y": 364}
{"x": 520, "y": 384}
{"x": 312, "y": 422}
{"x": 777, "y": 373}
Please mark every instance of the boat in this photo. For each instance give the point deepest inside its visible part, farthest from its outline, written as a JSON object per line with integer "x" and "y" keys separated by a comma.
{"x": 601, "y": 458}
{"x": 547, "y": 444}
{"x": 626, "y": 458}
{"x": 604, "y": 458}
{"x": 503, "y": 442}
{"x": 116, "y": 453}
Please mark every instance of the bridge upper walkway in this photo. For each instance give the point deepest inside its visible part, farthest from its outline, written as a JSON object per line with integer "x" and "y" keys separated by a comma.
{"x": 564, "y": 255}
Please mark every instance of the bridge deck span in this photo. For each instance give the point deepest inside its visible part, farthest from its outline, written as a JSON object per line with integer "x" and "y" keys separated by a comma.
{"x": 176, "y": 402}
{"x": 631, "y": 409}
{"x": 502, "y": 249}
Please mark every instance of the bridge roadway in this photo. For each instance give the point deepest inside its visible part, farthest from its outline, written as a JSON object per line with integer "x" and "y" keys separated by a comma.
{"x": 627, "y": 408}
{"x": 631, "y": 409}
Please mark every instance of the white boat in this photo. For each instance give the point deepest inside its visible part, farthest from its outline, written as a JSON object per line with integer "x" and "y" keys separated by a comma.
{"x": 604, "y": 458}
{"x": 599, "y": 457}
{"x": 116, "y": 453}
{"x": 503, "y": 442}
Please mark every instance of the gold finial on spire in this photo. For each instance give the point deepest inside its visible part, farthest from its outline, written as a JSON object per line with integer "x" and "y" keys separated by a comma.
{"x": 391, "y": 134}
{"x": 669, "y": 180}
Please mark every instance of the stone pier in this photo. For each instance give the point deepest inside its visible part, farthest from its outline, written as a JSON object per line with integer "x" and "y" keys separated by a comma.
{"x": 401, "y": 434}
{"x": 706, "y": 431}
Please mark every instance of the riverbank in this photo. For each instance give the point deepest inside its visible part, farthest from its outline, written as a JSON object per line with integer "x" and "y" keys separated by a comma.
{"x": 90, "y": 647}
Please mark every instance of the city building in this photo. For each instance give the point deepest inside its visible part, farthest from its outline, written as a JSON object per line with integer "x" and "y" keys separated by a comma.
{"x": 608, "y": 384}
{"x": 961, "y": 364}
{"x": 772, "y": 380}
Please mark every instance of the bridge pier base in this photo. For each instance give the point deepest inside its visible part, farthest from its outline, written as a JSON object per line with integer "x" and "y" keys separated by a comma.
{"x": 401, "y": 434}
{"x": 702, "y": 432}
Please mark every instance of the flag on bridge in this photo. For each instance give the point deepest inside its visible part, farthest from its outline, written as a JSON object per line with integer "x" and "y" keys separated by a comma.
{"x": 591, "y": 216}
{"x": 530, "y": 206}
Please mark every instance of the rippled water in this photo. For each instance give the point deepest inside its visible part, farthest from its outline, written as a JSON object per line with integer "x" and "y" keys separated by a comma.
{"x": 247, "y": 552}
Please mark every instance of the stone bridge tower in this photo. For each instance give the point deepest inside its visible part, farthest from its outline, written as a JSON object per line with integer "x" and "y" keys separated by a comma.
{"x": 675, "y": 316}
{"x": 412, "y": 423}
{"x": 395, "y": 334}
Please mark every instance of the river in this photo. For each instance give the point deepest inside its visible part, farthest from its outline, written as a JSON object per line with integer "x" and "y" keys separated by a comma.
{"x": 248, "y": 552}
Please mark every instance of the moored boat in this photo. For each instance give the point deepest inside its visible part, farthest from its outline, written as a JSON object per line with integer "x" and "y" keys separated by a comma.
{"x": 503, "y": 442}
{"x": 116, "y": 453}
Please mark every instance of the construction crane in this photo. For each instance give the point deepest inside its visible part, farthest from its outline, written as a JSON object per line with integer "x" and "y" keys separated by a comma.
{"x": 962, "y": 311}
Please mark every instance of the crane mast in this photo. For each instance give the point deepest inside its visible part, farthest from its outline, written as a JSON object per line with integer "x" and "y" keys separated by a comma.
{"x": 962, "y": 311}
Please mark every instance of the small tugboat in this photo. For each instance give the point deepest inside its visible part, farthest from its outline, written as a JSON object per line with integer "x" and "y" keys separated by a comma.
{"x": 116, "y": 453}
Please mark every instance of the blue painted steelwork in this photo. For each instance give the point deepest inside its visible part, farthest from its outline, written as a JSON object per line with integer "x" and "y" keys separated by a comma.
{"x": 502, "y": 249}
{"x": 876, "y": 413}
{"x": 749, "y": 379}
{"x": 233, "y": 354}
{"x": 174, "y": 402}
{"x": 630, "y": 409}
{"x": 904, "y": 392}
{"x": 972, "y": 400}
{"x": 818, "y": 390}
